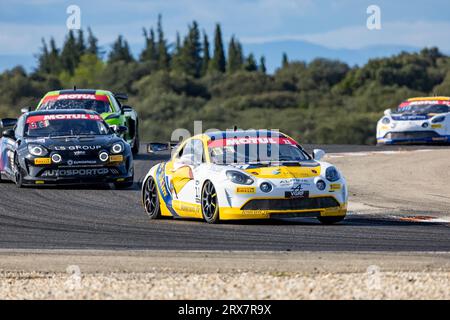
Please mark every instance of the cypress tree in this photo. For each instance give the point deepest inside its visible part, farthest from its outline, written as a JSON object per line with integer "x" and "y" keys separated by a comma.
{"x": 285, "y": 60}
{"x": 120, "y": 51}
{"x": 206, "y": 56}
{"x": 218, "y": 62}
{"x": 190, "y": 53}
{"x": 70, "y": 53}
{"x": 235, "y": 59}
{"x": 177, "y": 63}
{"x": 43, "y": 58}
{"x": 250, "y": 63}
{"x": 92, "y": 44}
{"x": 163, "y": 55}
{"x": 149, "y": 53}
{"x": 262, "y": 65}
{"x": 81, "y": 45}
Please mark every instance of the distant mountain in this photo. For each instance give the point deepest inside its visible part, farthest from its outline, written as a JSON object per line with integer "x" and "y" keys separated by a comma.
{"x": 307, "y": 51}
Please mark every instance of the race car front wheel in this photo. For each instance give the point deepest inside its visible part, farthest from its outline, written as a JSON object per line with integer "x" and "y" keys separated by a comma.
{"x": 151, "y": 199}
{"x": 331, "y": 220}
{"x": 210, "y": 205}
{"x": 18, "y": 175}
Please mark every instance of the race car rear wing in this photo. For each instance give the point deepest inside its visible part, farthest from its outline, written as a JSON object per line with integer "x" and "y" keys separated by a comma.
{"x": 156, "y": 147}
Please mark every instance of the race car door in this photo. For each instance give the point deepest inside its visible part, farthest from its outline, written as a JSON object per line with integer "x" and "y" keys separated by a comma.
{"x": 9, "y": 144}
{"x": 185, "y": 168}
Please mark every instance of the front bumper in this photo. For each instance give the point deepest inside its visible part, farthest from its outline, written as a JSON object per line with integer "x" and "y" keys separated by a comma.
{"x": 74, "y": 175}
{"x": 264, "y": 208}
{"x": 413, "y": 137}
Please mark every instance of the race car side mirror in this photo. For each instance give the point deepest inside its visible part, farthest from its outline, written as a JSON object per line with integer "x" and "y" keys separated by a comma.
{"x": 25, "y": 110}
{"x": 9, "y": 134}
{"x": 155, "y": 147}
{"x": 387, "y": 112}
{"x": 126, "y": 109}
{"x": 8, "y": 122}
{"x": 120, "y": 129}
{"x": 318, "y": 154}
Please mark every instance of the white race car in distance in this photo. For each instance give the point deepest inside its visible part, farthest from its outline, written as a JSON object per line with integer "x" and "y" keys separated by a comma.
{"x": 231, "y": 175}
{"x": 417, "y": 120}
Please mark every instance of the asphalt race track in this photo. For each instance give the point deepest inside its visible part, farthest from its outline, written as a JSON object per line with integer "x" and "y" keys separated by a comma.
{"x": 88, "y": 218}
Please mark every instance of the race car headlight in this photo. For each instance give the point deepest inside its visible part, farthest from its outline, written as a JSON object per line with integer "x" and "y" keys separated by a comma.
{"x": 321, "y": 185}
{"x": 239, "y": 177}
{"x": 425, "y": 125}
{"x": 386, "y": 120}
{"x": 56, "y": 158}
{"x": 37, "y": 150}
{"x": 117, "y": 148}
{"x": 438, "y": 119}
{"x": 332, "y": 174}
{"x": 265, "y": 187}
{"x": 104, "y": 156}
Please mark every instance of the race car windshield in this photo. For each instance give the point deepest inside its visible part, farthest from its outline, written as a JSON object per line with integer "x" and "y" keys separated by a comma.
{"x": 40, "y": 127}
{"x": 257, "y": 153}
{"x": 423, "y": 109}
{"x": 98, "y": 106}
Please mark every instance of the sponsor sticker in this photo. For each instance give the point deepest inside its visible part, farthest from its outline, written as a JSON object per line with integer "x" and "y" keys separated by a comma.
{"x": 66, "y": 116}
{"x": 116, "y": 158}
{"x": 42, "y": 161}
{"x": 335, "y": 186}
{"x": 246, "y": 190}
{"x": 77, "y": 172}
{"x": 436, "y": 126}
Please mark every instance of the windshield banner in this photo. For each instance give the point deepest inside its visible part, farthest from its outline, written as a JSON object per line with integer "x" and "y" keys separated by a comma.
{"x": 250, "y": 140}
{"x": 51, "y": 117}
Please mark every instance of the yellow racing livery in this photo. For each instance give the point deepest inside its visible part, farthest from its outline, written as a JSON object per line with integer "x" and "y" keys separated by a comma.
{"x": 252, "y": 174}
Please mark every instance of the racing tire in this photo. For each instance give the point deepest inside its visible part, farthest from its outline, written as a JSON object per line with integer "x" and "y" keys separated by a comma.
{"x": 330, "y": 220}
{"x": 18, "y": 175}
{"x": 136, "y": 142}
{"x": 151, "y": 199}
{"x": 210, "y": 203}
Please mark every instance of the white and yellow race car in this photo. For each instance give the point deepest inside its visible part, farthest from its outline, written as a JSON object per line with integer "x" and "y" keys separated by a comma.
{"x": 416, "y": 121}
{"x": 231, "y": 175}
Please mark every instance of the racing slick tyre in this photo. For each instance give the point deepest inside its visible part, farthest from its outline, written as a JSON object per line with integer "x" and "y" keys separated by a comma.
{"x": 135, "y": 147}
{"x": 151, "y": 199}
{"x": 210, "y": 204}
{"x": 18, "y": 175}
{"x": 330, "y": 220}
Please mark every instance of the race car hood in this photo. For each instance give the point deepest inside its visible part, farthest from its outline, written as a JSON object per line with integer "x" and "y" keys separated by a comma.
{"x": 85, "y": 142}
{"x": 303, "y": 170}
{"x": 285, "y": 172}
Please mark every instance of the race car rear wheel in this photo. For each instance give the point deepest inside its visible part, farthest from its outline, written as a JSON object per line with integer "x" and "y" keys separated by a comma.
{"x": 151, "y": 199}
{"x": 210, "y": 204}
{"x": 330, "y": 220}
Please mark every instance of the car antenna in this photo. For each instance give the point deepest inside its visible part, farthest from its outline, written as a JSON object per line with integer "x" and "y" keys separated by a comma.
{"x": 235, "y": 128}
{"x": 74, "y": 88}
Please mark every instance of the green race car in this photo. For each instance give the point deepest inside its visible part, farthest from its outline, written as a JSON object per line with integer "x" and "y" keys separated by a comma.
{"x": 105, "y": 103}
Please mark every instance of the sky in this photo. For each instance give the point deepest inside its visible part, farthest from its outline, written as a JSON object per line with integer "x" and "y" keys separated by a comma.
{"x": 335, "y": 24}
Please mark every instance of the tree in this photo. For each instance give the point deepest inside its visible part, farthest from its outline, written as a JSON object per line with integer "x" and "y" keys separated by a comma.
{"x": 206, "y": 56}
{"x": 149, "y": 53}
{"x": 120, "y": 51}
{"x": 285, "y": 61}
{"x": 218, "y": 62}
{"x": 190, "y": 53}
{"x": 70, "y": 54}
{"x": 92, "y": 44}
{"x": 81, "y": 45}
{"x": 43, "y": 59}
{"x": 250, "y": 63}
{"x": 163, "y": 55}
{"x": 235, "y": 56}
{"x": 262, "y": 65}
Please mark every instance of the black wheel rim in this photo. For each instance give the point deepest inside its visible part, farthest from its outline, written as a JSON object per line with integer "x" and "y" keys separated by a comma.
{"x": 151, "y": 197}
{"x": 209, "y": 200}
